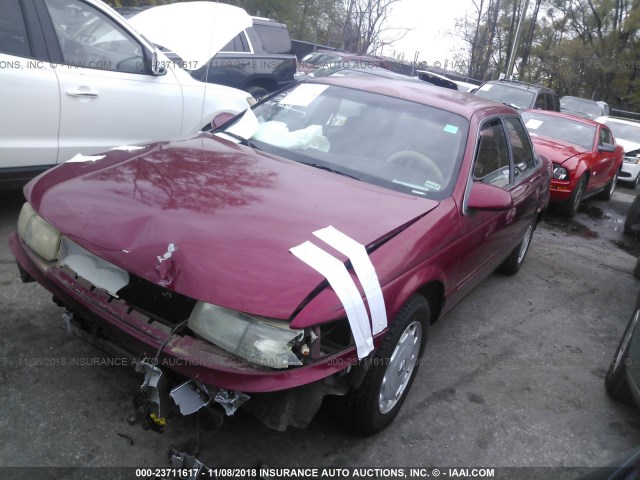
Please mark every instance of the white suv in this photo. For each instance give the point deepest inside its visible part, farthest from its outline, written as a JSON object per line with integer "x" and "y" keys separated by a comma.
{"x": 77, "y": 78}
{"x": 627, "y": 133}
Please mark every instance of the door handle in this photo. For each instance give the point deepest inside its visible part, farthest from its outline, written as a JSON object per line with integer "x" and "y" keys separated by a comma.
{"x": 86, "y": 93}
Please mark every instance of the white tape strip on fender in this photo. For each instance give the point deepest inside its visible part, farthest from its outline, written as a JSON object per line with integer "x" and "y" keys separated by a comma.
{"x": 338, "y": 277}
{"x": 85, "y": 158}
{"x": 364, "y": 270}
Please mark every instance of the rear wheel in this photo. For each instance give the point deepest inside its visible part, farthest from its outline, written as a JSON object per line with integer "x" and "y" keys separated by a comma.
{"x": 514, "y": 261}
{"x": 571, "y": 205}
{"x": 375, "y": 404}
{"x": 607, "y": 193}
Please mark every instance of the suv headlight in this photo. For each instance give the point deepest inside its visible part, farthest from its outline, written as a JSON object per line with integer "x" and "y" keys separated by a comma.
{"x": 257, "y": 340}
{"x": 560, "y": 173}
{"x": 38, "y": 234}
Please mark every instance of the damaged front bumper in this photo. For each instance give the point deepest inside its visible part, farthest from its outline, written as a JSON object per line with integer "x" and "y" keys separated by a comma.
{"x": 212, "y": 374}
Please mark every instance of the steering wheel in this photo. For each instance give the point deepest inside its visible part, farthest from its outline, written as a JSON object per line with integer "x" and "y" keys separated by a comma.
{"x": 411, "y": 158}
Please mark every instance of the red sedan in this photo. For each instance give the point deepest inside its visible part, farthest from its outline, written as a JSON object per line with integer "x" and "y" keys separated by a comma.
{"x": 585, "y": 157}
{"x": 302, "y": 249}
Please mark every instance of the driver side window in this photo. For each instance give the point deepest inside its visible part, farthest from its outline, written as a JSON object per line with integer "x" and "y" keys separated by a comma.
{"x": 605, "y": 136}
{"x": 492, "y": 157}
{"x": 89, "y": 39}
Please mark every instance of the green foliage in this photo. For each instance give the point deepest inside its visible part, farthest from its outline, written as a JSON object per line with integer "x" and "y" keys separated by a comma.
{"x": 586, "y": 48}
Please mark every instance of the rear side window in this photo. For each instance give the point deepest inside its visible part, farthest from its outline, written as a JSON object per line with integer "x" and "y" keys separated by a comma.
{"x": 524, "y": 159}
{"x": 492, "y": 161}
{"x": 605, "y": 136}
{"x": 275, "y": 39}
{"x": 13, "y": 33}
{"x": 237, "y": 44}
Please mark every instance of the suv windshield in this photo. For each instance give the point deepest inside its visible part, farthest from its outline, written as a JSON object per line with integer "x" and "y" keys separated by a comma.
{"x": 378, "y": 139}
{"x": 583, "y": 106}
{"x": 512, "y": 96}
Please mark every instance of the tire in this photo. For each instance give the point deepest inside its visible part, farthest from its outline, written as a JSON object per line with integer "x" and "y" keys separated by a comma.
{"x": 372, "y": 407}
{"x": 257, "y": 92}
{"x": 514, "y": 261}
{"x": 607, "y": 193}
{"x": 633, "y": 217}
{"x": 569, "y": 207}
{"x": 636, "y": 182}
{"x": 636, "y": 269}
{"x": 616, "y": 380}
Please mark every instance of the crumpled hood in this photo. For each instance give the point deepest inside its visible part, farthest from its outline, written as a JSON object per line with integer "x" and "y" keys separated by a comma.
{"x": 628, "y": 145}
{"x": 231, "y": 214}
{"x": 195, "y": 31}
{"x": 556, "y": 150}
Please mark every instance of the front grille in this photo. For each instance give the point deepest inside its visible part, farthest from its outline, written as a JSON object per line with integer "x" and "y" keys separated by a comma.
{"x": 157, "y": 302}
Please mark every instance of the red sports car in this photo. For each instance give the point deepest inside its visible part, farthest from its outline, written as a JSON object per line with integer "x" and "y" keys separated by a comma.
{"x": 585, "y": 157}
{"x": 302, "y": 249}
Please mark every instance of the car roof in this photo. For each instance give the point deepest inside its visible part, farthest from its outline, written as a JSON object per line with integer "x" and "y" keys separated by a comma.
{"x": 453, "y": 101}
{"x": 373, "y": 71}
{"x": 267, "y": 21}
{"x": 520, "y": 85}
{"x": 566, "y": 116}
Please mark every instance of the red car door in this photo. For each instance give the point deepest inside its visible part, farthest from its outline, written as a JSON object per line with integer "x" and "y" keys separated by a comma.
{"x": 603, "y": 162}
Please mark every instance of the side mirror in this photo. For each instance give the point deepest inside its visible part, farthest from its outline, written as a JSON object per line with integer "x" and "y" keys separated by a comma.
{"x": 486, "y": 197}
{"x": 607, "y": 147}
{"x": 156, "y": 69}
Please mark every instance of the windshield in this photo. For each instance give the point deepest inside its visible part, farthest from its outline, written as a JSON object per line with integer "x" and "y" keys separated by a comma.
{"x": 582, "y": 106}
{"x": 569, "y": 131}
{"x": 514, "y": 97}
{"x": 625, "y": 131}
{"x": 378, "y": 139}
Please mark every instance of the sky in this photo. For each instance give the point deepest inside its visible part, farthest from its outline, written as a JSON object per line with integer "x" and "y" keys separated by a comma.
{"x": 432, "y": 29}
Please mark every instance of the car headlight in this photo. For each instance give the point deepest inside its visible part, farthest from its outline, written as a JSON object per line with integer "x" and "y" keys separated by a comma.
{"x": 631, "y": 159}
{"x": 38, "y": 234}
{"x": 560, "y": 173}
{"x": 257, "y": 340}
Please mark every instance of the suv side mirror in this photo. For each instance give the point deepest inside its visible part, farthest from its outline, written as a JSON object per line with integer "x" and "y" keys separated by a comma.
{"x": 156, "y": 69}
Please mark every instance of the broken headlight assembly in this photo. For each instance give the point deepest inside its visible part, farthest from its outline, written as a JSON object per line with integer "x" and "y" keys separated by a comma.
{"x": 38, "y": 234}
{"x": 632, "y": 158}
{"x": 266, "y": 342}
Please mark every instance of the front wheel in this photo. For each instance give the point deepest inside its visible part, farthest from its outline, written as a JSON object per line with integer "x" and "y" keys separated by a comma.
{"x": 514, "y": 261}
{"x": 377, "y": 401}
{"x": 632, "y": 219}
{"x": 570, "y": 206}
{"x": 257, "y": 92}
{"x": 616, "y": 380}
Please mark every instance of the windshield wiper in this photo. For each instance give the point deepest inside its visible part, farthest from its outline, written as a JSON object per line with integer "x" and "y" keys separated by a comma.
{"x": 332, "y": 170}
{"x": 512, "y": 105}
{"x": 241, "y": 139}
